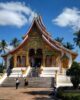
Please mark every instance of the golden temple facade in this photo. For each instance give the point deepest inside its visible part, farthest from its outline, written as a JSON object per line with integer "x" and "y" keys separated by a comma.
{"x": 39, "y": 49}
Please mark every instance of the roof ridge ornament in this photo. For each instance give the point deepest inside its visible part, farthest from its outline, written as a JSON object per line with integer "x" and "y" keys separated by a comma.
{"x": 37, "y": 16}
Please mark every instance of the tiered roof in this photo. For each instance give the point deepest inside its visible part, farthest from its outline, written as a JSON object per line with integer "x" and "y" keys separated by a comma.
{"x": 46, "y": 37}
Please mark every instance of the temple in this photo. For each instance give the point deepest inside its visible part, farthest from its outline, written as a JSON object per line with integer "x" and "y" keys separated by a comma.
{"x": 38, "y": 49}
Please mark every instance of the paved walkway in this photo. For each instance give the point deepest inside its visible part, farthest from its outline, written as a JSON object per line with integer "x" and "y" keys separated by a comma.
{"x": 25, "y": 94}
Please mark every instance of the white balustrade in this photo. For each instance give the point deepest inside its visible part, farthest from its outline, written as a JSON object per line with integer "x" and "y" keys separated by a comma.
{"x": 49, "y": 71}
{"x": 20, "y": 72}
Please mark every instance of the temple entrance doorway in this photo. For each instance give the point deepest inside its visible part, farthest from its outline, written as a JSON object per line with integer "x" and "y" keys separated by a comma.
{"x": 32, "y": 57}
{"x": 38, "y": 57}
{"x": 35, "y": 57}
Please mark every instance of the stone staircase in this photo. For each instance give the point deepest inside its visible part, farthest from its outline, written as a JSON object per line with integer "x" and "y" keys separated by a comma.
{"x": 33, "y": 82}
{"x": 40, "y": 82}
{"x": 11, "y": 82}
{"x": 34, "y": 72}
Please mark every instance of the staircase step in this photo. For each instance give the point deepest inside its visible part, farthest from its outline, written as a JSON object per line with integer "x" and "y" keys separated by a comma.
{"x": 34, "y": 82}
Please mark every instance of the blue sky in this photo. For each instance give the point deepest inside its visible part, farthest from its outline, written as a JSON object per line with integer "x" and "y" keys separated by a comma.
{"x": 61, "y": 18}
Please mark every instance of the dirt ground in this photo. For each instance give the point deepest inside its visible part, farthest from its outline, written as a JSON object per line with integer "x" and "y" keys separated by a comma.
{"x": 25, "y": 94}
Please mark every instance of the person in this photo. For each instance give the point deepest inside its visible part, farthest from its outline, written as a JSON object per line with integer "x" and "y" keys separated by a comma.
{"x": 25, "y": 82}
{"x": 17, "y": 83}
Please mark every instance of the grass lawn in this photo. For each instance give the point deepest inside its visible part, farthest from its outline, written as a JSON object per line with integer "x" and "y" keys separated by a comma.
{"x": 68, "y": 93}
{"x": 70, "y": 96}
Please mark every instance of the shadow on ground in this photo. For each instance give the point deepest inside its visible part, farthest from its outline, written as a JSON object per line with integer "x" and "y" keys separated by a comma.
{"x": 38, "y": 92}
{"x": 43, "y": 95}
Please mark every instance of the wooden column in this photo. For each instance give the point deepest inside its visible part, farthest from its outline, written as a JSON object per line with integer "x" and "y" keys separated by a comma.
{"x": 27, "y": 59}
{"x": 53, "y": 61}
{"x": 59, "y": 64}
{"x": 15, "y": 60}
{"x": 21, "y": 64}
{"x": 43, "y": 60}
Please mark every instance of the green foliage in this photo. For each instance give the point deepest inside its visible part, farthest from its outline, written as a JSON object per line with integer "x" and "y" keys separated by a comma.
{"x": 68, "y": 45}
{"x": 77, "y": 38}
{"x": 74, "y": 73}
{"x": 70, "y": 96}
{"x": 23, "y": 37}
{"x": 74, "y": 70}
{"x": 67, "y": 93}
{"x": 59, "y": 92}
{"x": 1, "y": 68}
{"x": 58, "y": 39}
{"x": 15, "y": 42}
{"x": 3, "y": 45}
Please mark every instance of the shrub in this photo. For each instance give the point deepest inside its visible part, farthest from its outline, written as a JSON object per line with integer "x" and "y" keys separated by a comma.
{"x": 59, "y": 92}
{"x": 1, "y": 68}
{"x": 67, "y": 95}
{"x": 74, "y": 73}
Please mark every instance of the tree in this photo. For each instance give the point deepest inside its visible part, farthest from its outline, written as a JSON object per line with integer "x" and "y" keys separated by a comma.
{"x": 23, "y": 37}
{"x": 77, "y": 38}
{"x": 2, "y": 67}
{"x": 74, "y": 73}
{"x": 15, "y": 42}
{"x": 68, "y": 45}
{"x": 3, "y": 45}
{"x": 59, "y": 39}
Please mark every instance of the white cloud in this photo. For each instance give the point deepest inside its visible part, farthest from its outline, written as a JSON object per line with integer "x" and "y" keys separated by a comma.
{"x": 15, "y": 13}
{"x": 69, "y": 17}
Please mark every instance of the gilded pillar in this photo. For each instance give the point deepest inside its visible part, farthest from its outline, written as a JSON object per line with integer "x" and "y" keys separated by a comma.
{"x": 60, "y": 64}
{"x": 15, "y": 60}
{"x": 43, "y": 60}
{"x": 53, "y": 61}
{"x": 27, "y": 59}
{"x": 21, "y": 63}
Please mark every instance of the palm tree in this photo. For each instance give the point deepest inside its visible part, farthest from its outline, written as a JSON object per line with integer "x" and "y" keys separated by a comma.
{"x": 68, "y": 45}
{"x": 15, "y": 42}
{"x": 77, "y": 38}
{"x": 3, "y": 46}
{"x": 23, "y": 37}
{"x": 59, "y": 39}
